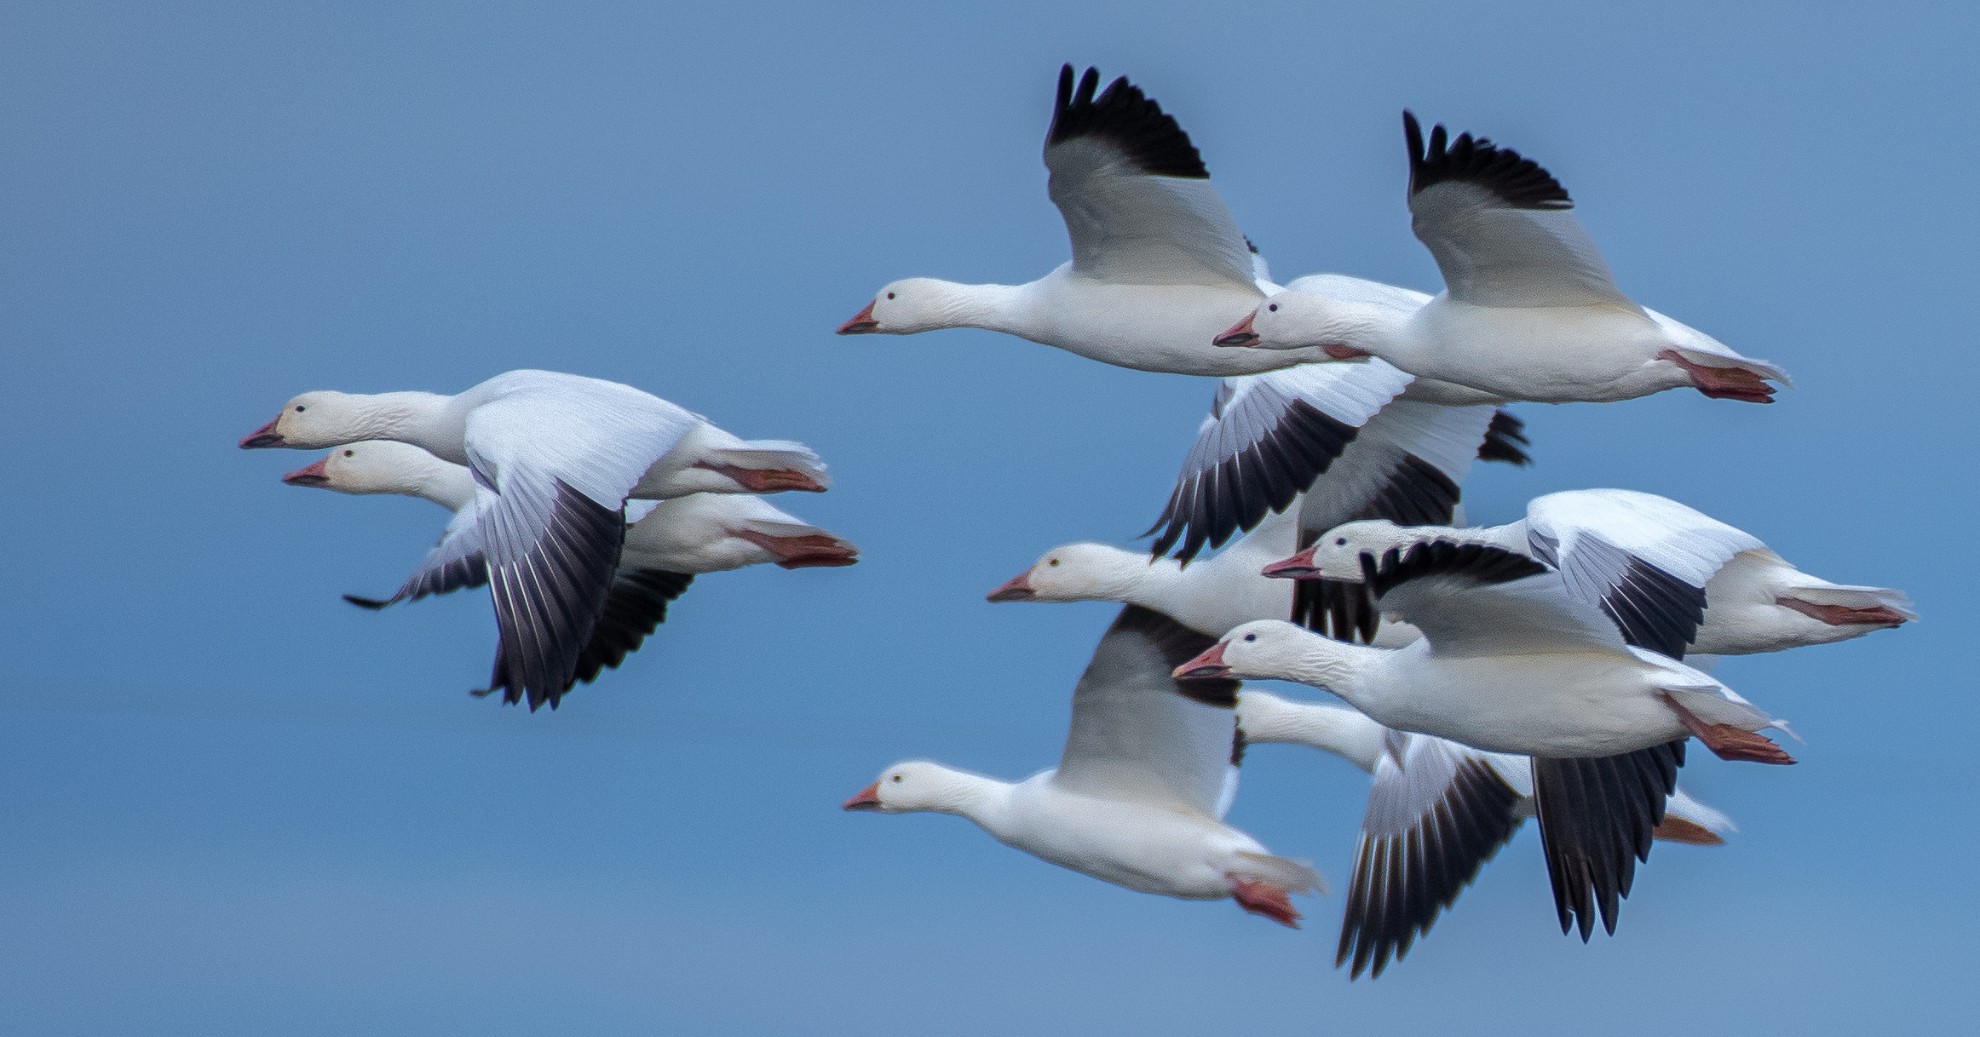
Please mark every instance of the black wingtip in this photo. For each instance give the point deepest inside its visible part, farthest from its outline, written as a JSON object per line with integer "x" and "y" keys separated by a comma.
{"x": 1517, "y": 181}
{"x": 1128, "y": 119}
{"x": 1480, "y": 562}
{"x": 548, "y": 600}
{"x": 374, "y": 604}
{"x": 1403, "y": 881}
{"x": 1210, "y": 505}
{"x": 1505, "y": 440}
{"x": 1598, "y": 818}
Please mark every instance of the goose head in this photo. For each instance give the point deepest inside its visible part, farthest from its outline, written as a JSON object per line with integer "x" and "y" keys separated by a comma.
{"x": 374, "y": 466}
{"x": 1301, "y": 320}
{"x": 1337, "y": 554}
{"x": 915, "y": 785}
{"x": 1263, "y": 649}
{"x": 1077, "y": 572}
{"x": 314, "y": 419}
{"x": 908, "y": 306}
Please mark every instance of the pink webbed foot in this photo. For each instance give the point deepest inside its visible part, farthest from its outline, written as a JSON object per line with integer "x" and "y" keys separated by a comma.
{"x": 1260, "y": 898}
{"x": 803, "y": 552}
{"x": 1678, "y": 830}
{"x": 1729, "y": 742}
{"x": 765, "y": 480}
{"x": 1843, "y": 615}
{"x": 1723, "y": 383}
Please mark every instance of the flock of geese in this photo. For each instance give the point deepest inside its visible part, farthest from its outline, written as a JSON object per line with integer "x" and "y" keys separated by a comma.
{"x": 1552, "y": 667}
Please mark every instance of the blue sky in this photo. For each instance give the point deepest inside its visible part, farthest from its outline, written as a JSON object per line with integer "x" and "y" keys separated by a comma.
{"x": 235, "y": 805}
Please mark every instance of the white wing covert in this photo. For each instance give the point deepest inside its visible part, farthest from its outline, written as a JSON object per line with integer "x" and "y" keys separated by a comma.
{"x": 454, "y": 563}
{"x": 1478, "y": 600}
{"x": 1644, "y": 560}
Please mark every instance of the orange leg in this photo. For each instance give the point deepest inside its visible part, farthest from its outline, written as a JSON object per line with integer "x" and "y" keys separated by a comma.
{"x": 1727, "y": 741}
{"x": 765, "y": 480}
{"x": 1723, "y": 383}
{"x": 1843, "y": 615}
{"x": 802, "y": 552}
{"x": 1261, "y": 898}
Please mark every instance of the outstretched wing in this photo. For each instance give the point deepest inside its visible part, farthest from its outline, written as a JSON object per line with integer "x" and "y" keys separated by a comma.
{"x": 1597, "y": 819}
{"x": 636, "y": 606}
{"x": 455, "y": 563}
{"x": 1136, "y": 199}
{"x": 1644, "y": 560}
{"x": 1473, "y": 599}
{"x": 1405, "y": 466}
{"x": 1139, "y": 734}
{"x": 1268, "y": 438}
{"x": 1437, "y": 812}
{"x": 1502, "y": 229}
{"x": 553, "y": 464}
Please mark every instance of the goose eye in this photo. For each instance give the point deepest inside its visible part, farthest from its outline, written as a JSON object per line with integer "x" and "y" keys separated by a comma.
{"x": 350, "y": 453}
{"x": 897, "y": 778}
{"x": 890, "y": 295}
{"x": 1272, "y": 307}
{"x": 299, "y": 408}
{"x": 1251, "y": 637}
{"x": 1053, "y": 562}
{"x": 1340, "y": 541}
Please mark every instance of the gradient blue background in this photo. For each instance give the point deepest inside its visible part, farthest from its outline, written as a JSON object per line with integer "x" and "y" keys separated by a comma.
{"x": 232, "y": 804}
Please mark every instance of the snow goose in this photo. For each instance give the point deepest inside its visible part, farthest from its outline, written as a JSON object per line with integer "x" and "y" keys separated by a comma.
{"x": 1529, "y": 310}
{"x": 1140, "y": 791}
{"x": 554, "y": 458}
{"x": 1672, "y": 578}
{"x": 1158, "y": 267}
{"x": 1158, "y": 263}
{"x": 1437, "y": 811}
{"x": 1210, "y": 597}
{"x": 1511, "y": 663}
{"x": 667, "y": 544}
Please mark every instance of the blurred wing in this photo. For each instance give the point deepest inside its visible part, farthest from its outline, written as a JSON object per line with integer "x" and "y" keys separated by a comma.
{"x": 1228, "y": 794}
{"x": 1505, "y": 441}
{"x": 1502, "y": 229}
{"x": 1475, "y": 600}
{"x": 1268, "y": 437}
{"x": 1139, "y": 734}
{"x": 1437, "y": 812}
{"x": 1136, "y": 199}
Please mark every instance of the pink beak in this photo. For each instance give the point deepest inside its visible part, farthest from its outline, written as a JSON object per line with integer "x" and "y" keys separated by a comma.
{"x": 263, "y": 436}
{"x": 861, "y": 323}
{"x": 1240, "y": 334}
{"x": 1298, "y": 567}
{"x": 1017, "y": 588}
{"x": 867, "y": 798}
{"x": 312, "y": 474}
{"x": 1208, "y": 665}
